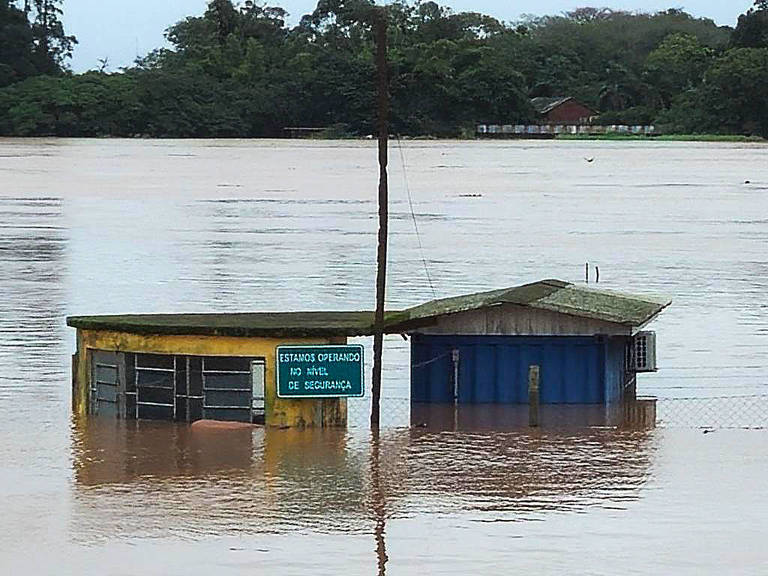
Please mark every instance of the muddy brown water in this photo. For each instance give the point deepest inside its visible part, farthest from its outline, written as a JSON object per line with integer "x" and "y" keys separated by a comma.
{"x": 89, "y": 227}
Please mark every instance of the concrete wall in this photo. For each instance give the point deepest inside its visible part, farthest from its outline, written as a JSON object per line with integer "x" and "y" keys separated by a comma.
{"x": 512, "y": 320}
{"x": 280, "y": 412}
{"x": 553, "y": 130}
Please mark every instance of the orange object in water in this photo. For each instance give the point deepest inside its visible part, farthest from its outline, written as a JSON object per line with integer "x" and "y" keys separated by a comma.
{"x": 220, "y": 425}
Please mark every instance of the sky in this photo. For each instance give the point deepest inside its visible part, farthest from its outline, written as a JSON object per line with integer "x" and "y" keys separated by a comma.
{"x": 119, "y": 31}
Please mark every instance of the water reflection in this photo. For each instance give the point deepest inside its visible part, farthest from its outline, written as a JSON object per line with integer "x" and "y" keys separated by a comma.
{"x": 632, "y": 414}
{"x": 378, "y": 503}
{"x": 144, "y": 479}
{"x": 110, "y": 451}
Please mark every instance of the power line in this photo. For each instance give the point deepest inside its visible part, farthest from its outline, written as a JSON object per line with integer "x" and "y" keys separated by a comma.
{"x": 413, "y": 215}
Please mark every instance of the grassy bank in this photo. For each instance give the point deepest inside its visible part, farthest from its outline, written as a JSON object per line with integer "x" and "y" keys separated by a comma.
{"x": 665, "y": 137}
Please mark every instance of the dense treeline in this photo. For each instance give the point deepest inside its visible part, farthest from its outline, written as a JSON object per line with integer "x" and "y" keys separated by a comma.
{"x": 32, "y": 40}
{"x": 239, "y": 70}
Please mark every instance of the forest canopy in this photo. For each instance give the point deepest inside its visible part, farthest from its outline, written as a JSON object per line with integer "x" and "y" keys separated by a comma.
{"x": 239, "y": 70}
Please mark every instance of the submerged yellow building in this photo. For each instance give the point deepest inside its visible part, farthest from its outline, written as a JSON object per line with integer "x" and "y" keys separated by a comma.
{"x": 203, "y": 366}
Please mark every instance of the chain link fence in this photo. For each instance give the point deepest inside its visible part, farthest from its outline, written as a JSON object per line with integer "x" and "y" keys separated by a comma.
{"x": 395, "y": 412}
{"x": 717, "y": 412}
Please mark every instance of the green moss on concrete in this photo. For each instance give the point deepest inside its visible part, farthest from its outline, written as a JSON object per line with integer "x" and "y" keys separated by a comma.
{"x": 264, "y": 324}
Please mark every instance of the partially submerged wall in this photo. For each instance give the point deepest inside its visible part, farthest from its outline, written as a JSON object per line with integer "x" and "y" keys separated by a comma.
{"x": 280, "y": 412}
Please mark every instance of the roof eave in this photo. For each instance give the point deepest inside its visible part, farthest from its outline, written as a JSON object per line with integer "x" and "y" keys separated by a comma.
{"x": 631, "y": 323}
{"x": 557, "y": 104}
{"x": 125, "y": 324}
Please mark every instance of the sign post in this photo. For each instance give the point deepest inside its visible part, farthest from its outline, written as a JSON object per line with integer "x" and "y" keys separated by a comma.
{"x": 330, "y": 371}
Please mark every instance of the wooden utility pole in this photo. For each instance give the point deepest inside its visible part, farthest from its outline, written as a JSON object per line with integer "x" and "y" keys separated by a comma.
{"x": 533, "y": 395}
{"x": 380, "y": 26}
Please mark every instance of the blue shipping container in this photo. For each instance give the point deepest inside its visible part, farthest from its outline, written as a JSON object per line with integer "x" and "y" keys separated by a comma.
{"x": 494, "y": 369}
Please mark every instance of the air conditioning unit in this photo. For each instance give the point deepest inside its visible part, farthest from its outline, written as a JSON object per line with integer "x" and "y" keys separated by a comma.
{"x": 643, "y": 353}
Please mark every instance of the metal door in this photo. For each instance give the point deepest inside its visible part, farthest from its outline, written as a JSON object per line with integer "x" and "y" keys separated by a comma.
{"x": 105, "y": 384}
{"x": 258, "y": 378}
{"x": 155, "y": 387}
{"x": 227, "y": 388}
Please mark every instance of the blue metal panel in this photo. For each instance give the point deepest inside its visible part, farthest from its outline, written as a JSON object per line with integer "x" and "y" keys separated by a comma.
{"x": 466, "y": 373}
{"x": 615, "y": 352}
{"x": 440, "y": 372}
{"x": 484, "y": 390}
{"x": 552, "y": 385}
{"x": 572, "y": 366}
{"x": 507, "y": 366}
{"x": 419, "y": 380}
{"x": 494, "y": 369}
{"x": 431, "y": 371}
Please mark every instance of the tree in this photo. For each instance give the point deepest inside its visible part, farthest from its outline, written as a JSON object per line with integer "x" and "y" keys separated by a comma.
{"x": 622, "y": 89}
{"x": 752, "y": 28}
{"x": 52, "y": 45}
{"x": 736, "y": 91}
{"x": 91, "y": 104}
{"x": 237, "y": 69}
{"x": 678, "y": 64}
{"x": 686, "y": 115}
{"x": 586, "y": 15}
{"x": 224, "y": 16}
{"x": 17, "y": 59}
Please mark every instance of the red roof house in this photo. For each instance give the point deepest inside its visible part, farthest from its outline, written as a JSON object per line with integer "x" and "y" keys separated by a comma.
{"x": 562, "y": 110}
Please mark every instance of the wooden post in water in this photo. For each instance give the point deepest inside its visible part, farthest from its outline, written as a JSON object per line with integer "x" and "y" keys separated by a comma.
{"x": 455, "y": 361}
{"x": 380, "y": 27}
{"x": 533, "y": 396}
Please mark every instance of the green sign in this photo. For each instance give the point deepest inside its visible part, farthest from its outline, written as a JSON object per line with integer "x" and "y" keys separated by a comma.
{"x": 320, "y": 371}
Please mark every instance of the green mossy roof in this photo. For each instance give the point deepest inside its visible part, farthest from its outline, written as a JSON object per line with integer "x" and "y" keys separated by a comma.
{"x": 551, "y": 295}
{"x": 603, "y": 305}
{"x": 263, "y": 324}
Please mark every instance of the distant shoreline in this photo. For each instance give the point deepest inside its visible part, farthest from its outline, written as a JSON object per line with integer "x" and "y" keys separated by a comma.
{"x": 733, "y": 138}
{"x": 666, "y": 137}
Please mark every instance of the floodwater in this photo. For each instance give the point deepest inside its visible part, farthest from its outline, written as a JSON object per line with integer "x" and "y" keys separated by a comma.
{"x": 91, "y": 226}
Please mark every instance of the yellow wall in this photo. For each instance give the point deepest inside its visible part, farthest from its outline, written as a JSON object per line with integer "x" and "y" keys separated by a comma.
{"x": 281, "y": 412}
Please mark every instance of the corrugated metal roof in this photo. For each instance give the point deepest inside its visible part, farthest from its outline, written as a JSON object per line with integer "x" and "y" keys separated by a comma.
{"x": 552, "y": 295}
